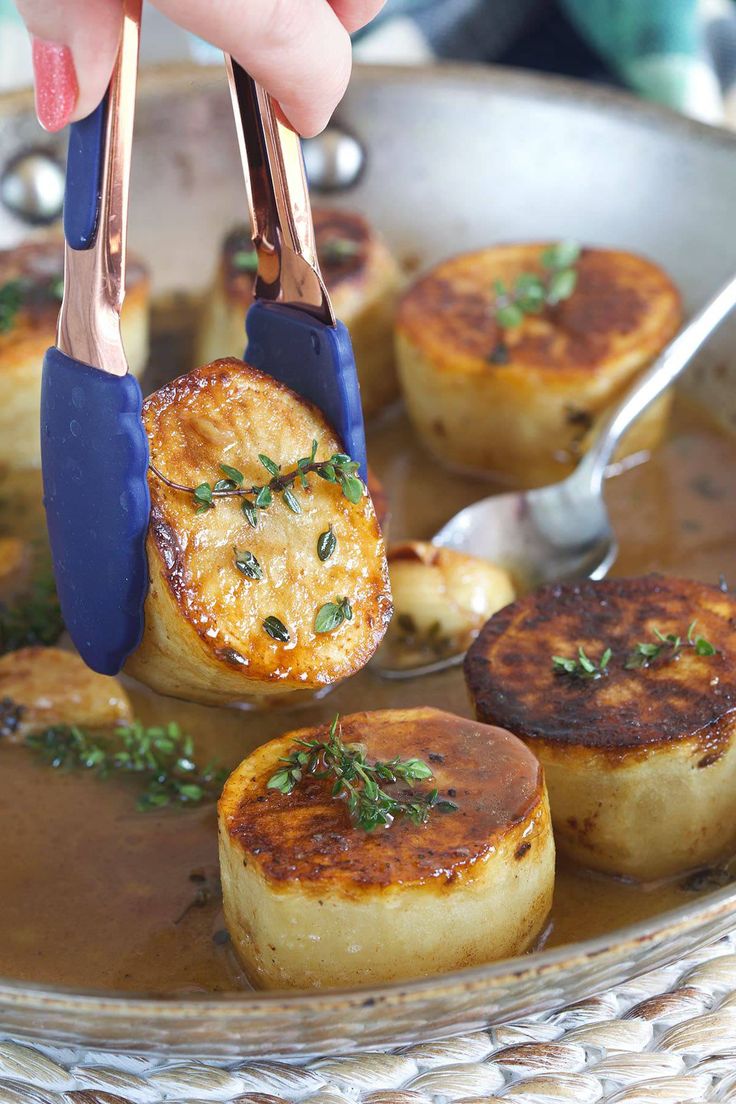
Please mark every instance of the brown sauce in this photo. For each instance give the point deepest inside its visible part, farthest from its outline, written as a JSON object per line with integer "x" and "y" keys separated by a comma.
{"x": 94, "y": 894}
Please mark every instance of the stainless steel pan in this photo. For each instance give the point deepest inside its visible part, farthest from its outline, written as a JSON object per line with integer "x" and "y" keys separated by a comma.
{"x": 454, "y": 157}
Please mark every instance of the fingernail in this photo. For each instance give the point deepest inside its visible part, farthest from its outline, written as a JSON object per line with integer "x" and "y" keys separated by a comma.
{"x": 56, "y": 84}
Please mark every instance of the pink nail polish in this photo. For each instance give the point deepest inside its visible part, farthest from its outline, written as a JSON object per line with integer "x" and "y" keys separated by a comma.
{"x": 56, "y": 84}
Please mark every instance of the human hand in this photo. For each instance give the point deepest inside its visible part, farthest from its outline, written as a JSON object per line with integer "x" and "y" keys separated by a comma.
{"x": 299, "y": 50}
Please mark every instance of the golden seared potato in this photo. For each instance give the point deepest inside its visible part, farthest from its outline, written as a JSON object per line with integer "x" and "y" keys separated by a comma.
{"x": 442, "y": 597}
{"x": 232, "y": 610}
{"x": 54, "y": 687}
{"x": 520, "y": 403}
{"x": 363, "y": 280}
{"x": 640, "y": 761}
{"x": 311, "y": 900}
{"x": 31, "y": 281}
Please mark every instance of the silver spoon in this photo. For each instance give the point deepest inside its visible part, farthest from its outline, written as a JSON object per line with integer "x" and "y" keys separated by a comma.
{"x": 563, "y": 532}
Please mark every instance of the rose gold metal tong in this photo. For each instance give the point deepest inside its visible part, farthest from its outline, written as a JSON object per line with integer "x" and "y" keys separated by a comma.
{"x": 94, "y": 272}
{"x": 281, "y": 214}
{"x": 92, "y": 433}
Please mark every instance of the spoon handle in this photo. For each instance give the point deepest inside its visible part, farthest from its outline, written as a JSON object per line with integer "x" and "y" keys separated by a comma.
{"x": 664, "y": 371}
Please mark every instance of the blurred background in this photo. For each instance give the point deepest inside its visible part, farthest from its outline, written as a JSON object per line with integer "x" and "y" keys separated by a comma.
{"x": 678, "y": 52}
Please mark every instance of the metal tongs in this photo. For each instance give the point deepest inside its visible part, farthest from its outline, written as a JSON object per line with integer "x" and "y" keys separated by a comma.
{"x": 94, "y": 448}
{"x": 292, "y": 331}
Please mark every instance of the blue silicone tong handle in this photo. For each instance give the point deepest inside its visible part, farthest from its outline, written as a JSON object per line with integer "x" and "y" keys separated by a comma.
{"x": 316, "y": 361}
{"x": 291, "y": 330}
{"x": 94, "y": 452}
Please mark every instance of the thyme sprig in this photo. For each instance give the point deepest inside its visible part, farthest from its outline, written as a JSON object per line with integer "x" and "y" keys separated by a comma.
{"x": 360, "y": 783}
{"x": 13, "y": 293}
{"x": 11, "y": 300}
{"x": 666, "y": 646}
{"x": 533, "y": 292}
{"x": 582, "y": 666}
{"x": 162, "y": 757}
{"x": 339, "y": 469}
{"x": 33, "y": 618}
{"x": 670, "y": 646}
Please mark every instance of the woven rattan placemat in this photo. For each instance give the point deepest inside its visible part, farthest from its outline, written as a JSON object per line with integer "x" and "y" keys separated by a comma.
{"x": 667, "y": 1036}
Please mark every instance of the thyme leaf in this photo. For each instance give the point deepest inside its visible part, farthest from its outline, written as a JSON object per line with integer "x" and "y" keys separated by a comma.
{"x": 276, "y": 629}
{"x": 332, "y": 614}
{"x": 247, "y": 564}
{"x": 360, "y": 783}
{"x": 326, "y": 544}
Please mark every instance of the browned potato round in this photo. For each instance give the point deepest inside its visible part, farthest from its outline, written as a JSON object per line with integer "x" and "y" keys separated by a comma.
{"x": 54, "y": 687}
{"x": 640, "y": 762}
{"x": 310, "y": 900}
{"x": 33, "y": 274}
{"x": 361, "y": 276}
{"x": 520, "y": 403}
{"x": 206, "y": 634}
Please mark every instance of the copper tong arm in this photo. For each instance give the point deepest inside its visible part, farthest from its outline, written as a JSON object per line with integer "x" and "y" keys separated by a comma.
{"x": 94, "y": 277}
{"x": 281, "y": 214}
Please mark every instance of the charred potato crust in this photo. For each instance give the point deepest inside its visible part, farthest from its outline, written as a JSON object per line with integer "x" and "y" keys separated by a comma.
{"x": 466, "y": 887}
{"x": 641, "y": 763}
{"x": 23, "y": 344}
{"x": 527, "y": 412}
{"x": 204, "y": 637}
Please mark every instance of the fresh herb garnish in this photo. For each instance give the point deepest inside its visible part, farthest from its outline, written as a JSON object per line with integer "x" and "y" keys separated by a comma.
{"x": 669, "y": 646}
{"x": 13, "y": 293}
{"x": 337, "y": 250}
{"x": 332, "y": 614}
{"x": 582, "y": 666}
{"x": 532, "y": 293}
{"x": 276, "y": 629}
{"x": 11, "y": 299}
{"x": 247, "y": 564}
{"x": 360, "y": 783}
{"x": 245, "y": 260}
{"x": 34, "y": 618}
{"x": 326, "y": 544}
{"x": 339, "y": 469}
{"x": 161, "y": 756}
